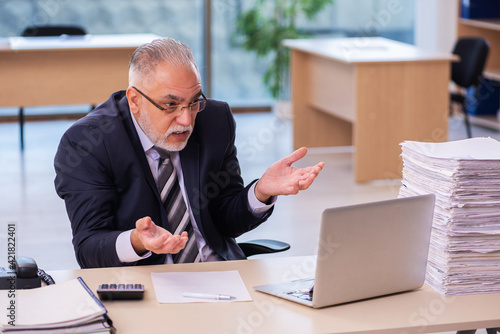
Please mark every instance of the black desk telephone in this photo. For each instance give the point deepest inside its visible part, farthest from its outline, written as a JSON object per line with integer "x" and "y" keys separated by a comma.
{"x": 23, "y": 274}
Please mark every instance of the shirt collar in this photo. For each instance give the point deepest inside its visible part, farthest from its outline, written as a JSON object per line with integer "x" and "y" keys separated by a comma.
{"x": 146, "y": 143}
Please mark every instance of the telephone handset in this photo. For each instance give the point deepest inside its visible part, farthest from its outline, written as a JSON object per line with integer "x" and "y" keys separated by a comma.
{"x": 23, "y": 274}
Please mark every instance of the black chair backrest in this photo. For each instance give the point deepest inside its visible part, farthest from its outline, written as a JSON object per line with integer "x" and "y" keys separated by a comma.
{"x": 36, "y": 31}
{"x": 473, "y": 53}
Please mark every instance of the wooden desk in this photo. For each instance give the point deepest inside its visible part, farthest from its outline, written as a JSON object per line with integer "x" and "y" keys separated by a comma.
{"x": 372, "y": 93}
{"x": 420, "y": 311}
{"x": 40, "y": 71}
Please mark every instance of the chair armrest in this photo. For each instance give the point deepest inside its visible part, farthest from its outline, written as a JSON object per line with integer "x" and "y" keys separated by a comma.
{"x": 263, "y": 246}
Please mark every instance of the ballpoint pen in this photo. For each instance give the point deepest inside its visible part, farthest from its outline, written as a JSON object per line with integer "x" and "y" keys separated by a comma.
{"x": 207, "y": 296}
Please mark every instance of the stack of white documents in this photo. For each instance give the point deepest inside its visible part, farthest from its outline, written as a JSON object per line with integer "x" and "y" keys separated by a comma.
{"x": 464, "y": 256}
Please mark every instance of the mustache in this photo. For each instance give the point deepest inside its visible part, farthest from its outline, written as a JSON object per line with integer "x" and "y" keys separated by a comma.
{"x": 179, "y": 128}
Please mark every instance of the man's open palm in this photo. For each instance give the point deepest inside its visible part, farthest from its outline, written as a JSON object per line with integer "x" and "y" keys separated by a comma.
{"x": 283, "y": 179}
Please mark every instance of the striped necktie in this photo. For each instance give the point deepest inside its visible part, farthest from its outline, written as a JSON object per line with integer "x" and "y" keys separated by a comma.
{"x": 175, "y": 207}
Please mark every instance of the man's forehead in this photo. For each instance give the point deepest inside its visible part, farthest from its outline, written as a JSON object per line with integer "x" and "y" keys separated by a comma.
{"x": 178, "y": 82}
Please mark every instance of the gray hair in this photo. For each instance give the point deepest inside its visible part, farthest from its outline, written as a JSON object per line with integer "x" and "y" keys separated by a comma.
{"x": 146, "y": 57}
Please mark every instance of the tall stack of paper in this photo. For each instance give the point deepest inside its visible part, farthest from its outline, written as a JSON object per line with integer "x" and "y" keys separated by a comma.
{"x": 464, "y": 256}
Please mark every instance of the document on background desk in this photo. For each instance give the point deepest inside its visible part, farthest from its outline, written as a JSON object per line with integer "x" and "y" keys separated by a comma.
{"x": 170, "y": 287}
{"x": 80, "y": 41}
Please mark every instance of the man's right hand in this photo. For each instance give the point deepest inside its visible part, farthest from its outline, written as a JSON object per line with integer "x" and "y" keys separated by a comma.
{"x": 147, "y": 236}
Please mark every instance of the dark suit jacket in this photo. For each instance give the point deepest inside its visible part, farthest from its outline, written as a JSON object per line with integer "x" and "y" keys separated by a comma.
{"x": 106, "y": 183}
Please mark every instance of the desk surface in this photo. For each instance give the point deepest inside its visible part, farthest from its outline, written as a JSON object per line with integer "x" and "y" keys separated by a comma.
{"x": 365, "y": 50}
{"x": 419, "y": 311}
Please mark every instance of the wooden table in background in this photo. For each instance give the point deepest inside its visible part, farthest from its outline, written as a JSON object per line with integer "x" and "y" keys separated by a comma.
{"x": 372, "y": 93}
{"x": 38, "y": 71}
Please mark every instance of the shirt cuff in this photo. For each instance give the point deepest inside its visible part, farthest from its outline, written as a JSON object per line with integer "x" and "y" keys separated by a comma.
{"x": 124, "y": 249}
{"x": 256, "y": 206}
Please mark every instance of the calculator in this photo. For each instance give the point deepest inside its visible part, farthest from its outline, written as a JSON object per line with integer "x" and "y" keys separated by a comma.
{"x": 120, "y": 291}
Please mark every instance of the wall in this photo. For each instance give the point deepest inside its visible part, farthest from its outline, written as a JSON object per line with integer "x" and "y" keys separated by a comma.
{"x": 436, "y": 24}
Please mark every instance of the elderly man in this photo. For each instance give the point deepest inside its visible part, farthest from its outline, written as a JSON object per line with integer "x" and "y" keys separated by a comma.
{"x": 151, "y": 175}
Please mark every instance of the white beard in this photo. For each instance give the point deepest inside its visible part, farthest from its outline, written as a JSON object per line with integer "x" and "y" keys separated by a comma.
{"x": 158, "y": 139}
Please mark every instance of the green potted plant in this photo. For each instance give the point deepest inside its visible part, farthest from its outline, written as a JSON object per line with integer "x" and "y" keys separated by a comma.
{"x": 263, "y": 27}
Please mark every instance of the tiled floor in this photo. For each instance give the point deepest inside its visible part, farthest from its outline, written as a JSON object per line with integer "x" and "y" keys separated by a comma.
{"x": 28, "y": 199}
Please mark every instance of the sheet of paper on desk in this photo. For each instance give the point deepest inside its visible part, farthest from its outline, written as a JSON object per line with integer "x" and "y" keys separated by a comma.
{"x": 169, "y": 287}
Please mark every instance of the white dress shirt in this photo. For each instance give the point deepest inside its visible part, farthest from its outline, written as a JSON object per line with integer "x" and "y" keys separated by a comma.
{"x": 124, "y": 249}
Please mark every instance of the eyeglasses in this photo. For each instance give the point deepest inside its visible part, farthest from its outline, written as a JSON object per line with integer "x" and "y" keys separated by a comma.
{"x": 177, "y": 109}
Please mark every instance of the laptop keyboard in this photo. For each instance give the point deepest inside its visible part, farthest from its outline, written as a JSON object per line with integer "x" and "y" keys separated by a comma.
{"x": 302, "y": 294}
{"x": 305, "y": 291}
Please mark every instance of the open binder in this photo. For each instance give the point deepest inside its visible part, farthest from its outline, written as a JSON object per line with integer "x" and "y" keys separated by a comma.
{"x": 68, "y": 307}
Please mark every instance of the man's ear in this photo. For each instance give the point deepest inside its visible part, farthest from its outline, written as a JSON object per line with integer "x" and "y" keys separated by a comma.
{"x": 134, "y": 101}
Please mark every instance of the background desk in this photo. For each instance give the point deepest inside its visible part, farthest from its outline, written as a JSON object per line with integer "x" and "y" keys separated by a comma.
{"x": 57, "y": 71}
{"x": 420, "y": 311}
{"x": 372, "y": 93}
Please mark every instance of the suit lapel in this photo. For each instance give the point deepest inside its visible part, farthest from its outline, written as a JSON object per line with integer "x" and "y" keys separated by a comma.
{"x": 190, "y": 160}
{"x": 136, "y": 143}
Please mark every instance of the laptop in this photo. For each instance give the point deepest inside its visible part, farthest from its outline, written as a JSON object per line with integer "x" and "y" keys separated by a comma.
{"x": 366, "y": 250}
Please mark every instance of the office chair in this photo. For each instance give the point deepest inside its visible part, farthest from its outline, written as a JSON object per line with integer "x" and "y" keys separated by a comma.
{"x": 263, "y": 246}
{"x": 39, "y": 31}
{"x": 467, "y": 73}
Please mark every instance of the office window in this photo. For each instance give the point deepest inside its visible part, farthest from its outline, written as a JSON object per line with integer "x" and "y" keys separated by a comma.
{"x": 393, "y": 19}
{"x": 237, "y": 74}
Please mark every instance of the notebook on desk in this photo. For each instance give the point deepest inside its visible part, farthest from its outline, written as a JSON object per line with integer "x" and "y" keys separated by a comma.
{"x": 366, "y": 250}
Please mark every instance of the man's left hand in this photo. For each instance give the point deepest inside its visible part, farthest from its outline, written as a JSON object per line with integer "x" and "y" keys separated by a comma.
{"x": 283, "y": 179}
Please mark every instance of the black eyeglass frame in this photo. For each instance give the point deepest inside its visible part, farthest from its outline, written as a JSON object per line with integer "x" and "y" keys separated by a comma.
{"x": 201, "y": 102}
